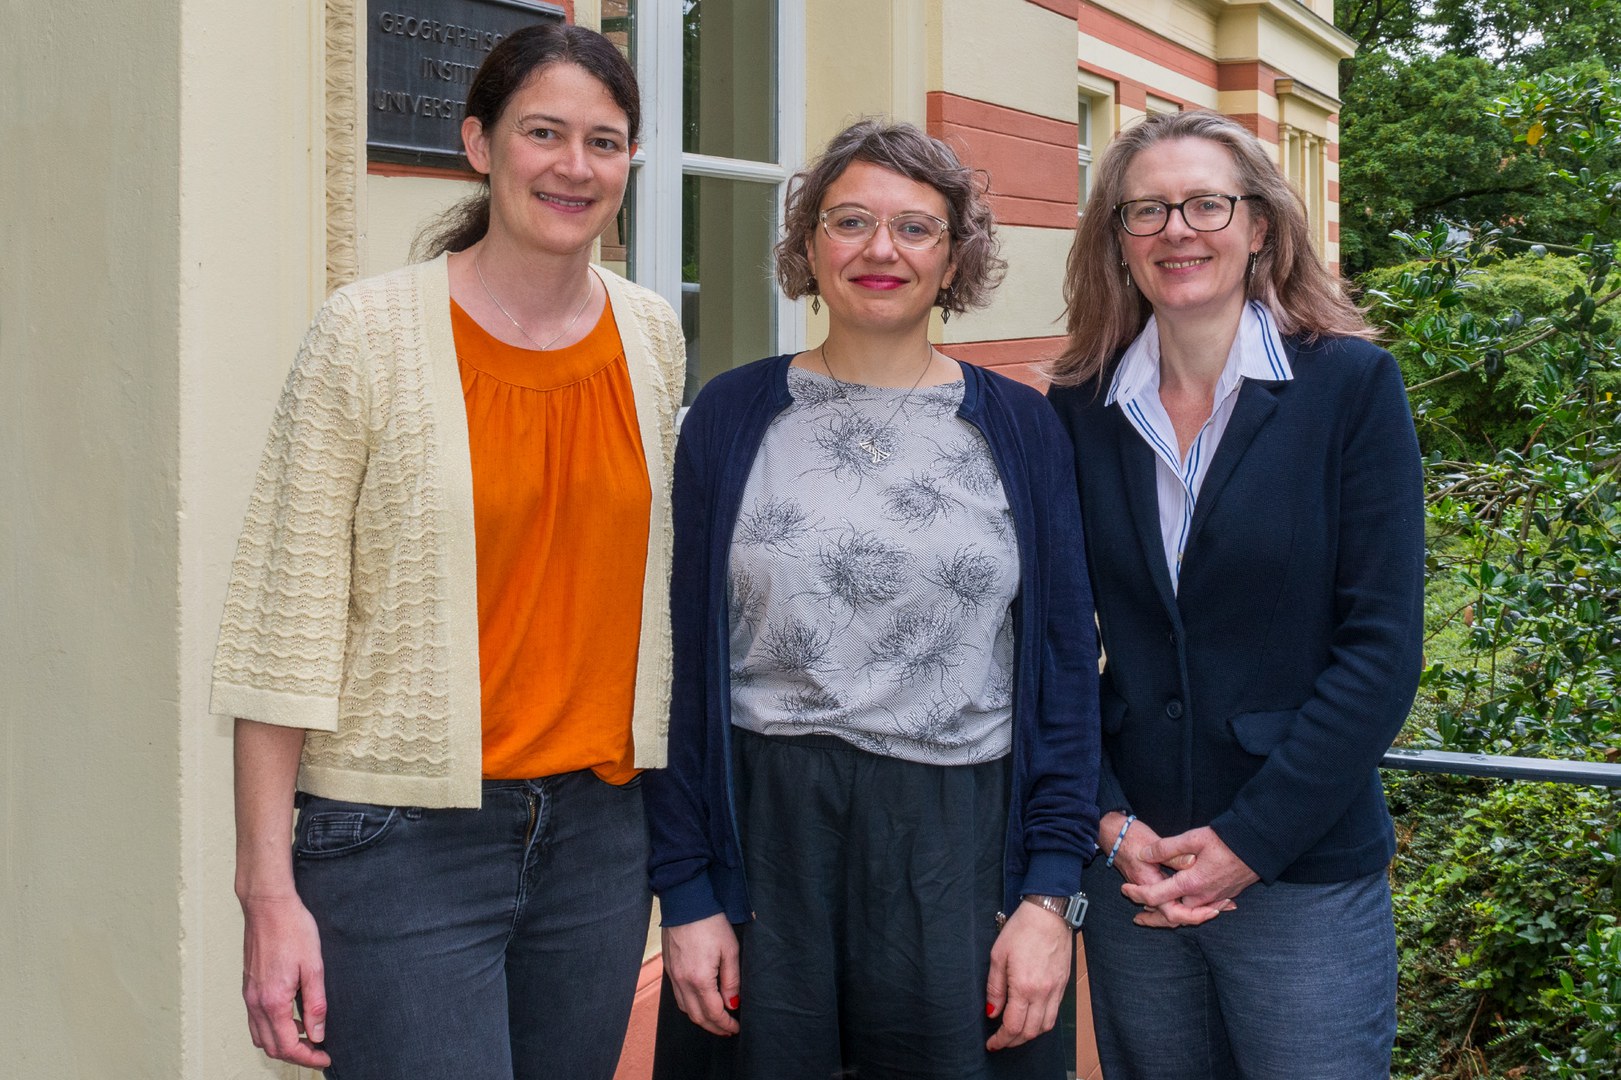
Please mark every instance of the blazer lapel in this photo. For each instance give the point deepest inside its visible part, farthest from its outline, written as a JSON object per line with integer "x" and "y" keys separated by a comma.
{"x": 1256, "y": 402}
{"x": 1142, "y": 495}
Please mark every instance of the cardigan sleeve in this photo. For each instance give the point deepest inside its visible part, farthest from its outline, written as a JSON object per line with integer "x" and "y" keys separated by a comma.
{"x": 678, "y": 813}
{"x": 1060, "y": 814}
{"x": 1360, "y": 701}
{"x": 281, "y": 645}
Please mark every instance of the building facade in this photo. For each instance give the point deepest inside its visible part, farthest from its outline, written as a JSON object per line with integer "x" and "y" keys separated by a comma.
{"x": 183, "y": 183}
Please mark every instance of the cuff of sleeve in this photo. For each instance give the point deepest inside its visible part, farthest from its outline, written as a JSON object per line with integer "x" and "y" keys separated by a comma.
{"x": 1052, "y": 873}
{"x": 274, "y": 707}
{"x": 688, "y": 902}
{"x": 1258, "y": 853}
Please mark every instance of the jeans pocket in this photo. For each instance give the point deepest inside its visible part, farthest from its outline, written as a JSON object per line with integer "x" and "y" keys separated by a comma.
{"x": 329, "y": 827}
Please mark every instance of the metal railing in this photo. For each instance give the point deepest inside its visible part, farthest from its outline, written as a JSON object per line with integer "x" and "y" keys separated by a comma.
{"x": 1501, "y": 767}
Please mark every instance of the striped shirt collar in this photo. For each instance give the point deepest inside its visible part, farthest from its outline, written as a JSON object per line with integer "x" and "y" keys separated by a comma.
{"x": 1257, "y": 353}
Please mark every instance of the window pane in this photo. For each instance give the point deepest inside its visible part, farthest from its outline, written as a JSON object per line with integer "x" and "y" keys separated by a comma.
{"x": 729, "y": 99}
{"x": 619, "y": 25}
{"x": 619, "y": 241}
{"x": 728, "y": 296}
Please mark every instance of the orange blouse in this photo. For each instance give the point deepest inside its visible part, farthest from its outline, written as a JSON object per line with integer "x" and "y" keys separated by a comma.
{"x": 561, "y": 509}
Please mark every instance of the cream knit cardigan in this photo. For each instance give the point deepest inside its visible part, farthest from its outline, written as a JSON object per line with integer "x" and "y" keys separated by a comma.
{"x": 353, "y": 607}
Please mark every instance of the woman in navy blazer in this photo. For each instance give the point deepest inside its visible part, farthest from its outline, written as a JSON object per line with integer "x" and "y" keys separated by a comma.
{"x": 1253, "y": 506}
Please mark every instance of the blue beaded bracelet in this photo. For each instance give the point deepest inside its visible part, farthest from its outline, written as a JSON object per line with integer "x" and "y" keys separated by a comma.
{"x": 1118, "y": 840}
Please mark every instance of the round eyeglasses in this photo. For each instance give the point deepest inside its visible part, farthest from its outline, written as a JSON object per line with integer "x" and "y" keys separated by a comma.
{"x": 852, "y": 225}
{"x": 1203, "y": 213}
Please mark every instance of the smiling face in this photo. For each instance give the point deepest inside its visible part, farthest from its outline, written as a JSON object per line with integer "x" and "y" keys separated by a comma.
{"x": 558, "y": 159}
{"x": 1186, "y": 274}
{"x": 877, "y": 285}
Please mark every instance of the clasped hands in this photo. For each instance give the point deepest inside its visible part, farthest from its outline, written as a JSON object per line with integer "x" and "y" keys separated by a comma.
{"x": 1180, "y": 880}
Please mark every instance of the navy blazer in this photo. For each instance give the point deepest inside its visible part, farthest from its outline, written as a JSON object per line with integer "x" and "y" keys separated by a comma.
{"x": 1259, "y": 698}
{"x": 696, "y": 862}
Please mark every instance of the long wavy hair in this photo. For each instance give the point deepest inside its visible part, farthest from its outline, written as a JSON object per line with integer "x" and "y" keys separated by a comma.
{"x": 916, "y": 155}
{"x": 511, "y": 64}
{"x": 1105, "y": 313}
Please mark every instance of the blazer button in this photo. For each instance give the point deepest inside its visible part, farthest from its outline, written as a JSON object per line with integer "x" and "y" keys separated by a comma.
{"x": 1173, "y": 709}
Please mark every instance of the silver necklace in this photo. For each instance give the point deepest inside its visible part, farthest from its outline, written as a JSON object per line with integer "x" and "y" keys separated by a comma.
{"x": 502, "y": 308}
{"x": 875, "y": 453}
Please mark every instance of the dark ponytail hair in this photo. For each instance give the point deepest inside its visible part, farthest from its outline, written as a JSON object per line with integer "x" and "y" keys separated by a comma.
{"x": 511, "y": 64}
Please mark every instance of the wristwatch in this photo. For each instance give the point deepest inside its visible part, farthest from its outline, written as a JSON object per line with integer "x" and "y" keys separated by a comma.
{"x": 1072, "y": 909}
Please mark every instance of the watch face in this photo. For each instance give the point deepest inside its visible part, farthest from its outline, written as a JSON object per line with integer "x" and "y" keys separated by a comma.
{"x": 1076, "y": 913}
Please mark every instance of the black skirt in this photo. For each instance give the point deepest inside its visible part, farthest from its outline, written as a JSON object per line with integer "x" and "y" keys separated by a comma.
{"x": 875, "y": 884}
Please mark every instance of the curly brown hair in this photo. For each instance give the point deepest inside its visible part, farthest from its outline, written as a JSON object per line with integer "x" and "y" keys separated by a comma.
{"x": 1105, "y": 314}
{"x": 916, "y": 155}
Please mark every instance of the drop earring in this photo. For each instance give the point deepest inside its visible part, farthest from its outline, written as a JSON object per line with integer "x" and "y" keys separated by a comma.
{"x": 943, "y": 302}
{"x": 1127, "y": 267}
{"x": 815, "y": 295}
{"x": 1255, "y": 257}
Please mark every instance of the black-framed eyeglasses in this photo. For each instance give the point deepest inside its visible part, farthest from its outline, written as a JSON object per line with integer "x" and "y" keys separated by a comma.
{"x": 913, "y": 229}
{"x": 1203, "y": 213}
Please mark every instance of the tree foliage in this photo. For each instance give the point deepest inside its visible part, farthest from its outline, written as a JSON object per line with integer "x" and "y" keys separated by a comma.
{"x": 1533, "y": 35}
{"x": 1418, "y": 148}
{"x": 1502, "y": 972}
{"x": 1421, "y": 149}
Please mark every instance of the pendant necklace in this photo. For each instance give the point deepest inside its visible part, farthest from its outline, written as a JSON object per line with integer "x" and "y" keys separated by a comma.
{"x": 875, "y": 453}
{"x": 589, "y": 291}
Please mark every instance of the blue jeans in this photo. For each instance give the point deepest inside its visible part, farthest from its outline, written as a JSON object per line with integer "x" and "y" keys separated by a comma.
{"x": 1299, "y": 981}
{"x": 502, "y": 943}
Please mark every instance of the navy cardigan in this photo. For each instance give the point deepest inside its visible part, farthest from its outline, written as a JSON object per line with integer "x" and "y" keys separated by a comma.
{"x": 1259, "y": 698}
{"x": 696, "y": 865}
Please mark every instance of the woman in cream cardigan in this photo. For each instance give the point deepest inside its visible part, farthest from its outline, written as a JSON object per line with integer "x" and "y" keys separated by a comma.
{"x": 447, "y": 629}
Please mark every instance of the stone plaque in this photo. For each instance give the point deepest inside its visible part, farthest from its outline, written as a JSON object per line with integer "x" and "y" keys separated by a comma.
{"x": 420, "y": 59}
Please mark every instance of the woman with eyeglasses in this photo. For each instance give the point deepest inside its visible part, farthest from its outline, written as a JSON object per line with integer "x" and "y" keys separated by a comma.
{"x": 869, "y": 840}
{"x": 1255, "y": 534}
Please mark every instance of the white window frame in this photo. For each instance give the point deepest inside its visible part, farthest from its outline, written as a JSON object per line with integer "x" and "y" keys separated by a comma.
{"x": 1083, "y": 146}
{"x": 657, "y": 228}
{"x": 1098, "y": 95}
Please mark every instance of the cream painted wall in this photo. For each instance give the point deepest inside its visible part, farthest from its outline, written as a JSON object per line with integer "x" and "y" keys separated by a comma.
{"x": 878, "y": 71}
{"x": 1190, "y": 23}
{"x": 252, "y": 273}
{"x": 397, "y": 208}
{"x": 1022, "y": 56}
{"x": 1030, "y": 301}
{"x": 90, "y": 482}
{"x": 1286, "y": 37}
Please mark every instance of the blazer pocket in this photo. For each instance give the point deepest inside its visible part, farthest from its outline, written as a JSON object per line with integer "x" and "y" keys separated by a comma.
{"x": 1259, "y": 732}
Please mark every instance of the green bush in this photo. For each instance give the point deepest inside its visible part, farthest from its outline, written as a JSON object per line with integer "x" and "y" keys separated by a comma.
{"x": 1507, "y": 894}
{"x": 1596, "y": 1054}
{"x": 1474, "y": 414}
{"x": 1493, "y": 882}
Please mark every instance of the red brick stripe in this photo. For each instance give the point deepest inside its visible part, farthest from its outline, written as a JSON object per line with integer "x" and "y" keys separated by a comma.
{"x": 1030, "y": 159}
{"x": 1111, "y": 29}
{"x": 1246, "y": 75}
{"x": 1015, "y": 357}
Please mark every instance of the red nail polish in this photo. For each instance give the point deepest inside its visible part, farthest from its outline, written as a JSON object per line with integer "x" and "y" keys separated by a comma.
{"x": 990, "y": 1010}
{"x": 732, "y": 1004}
